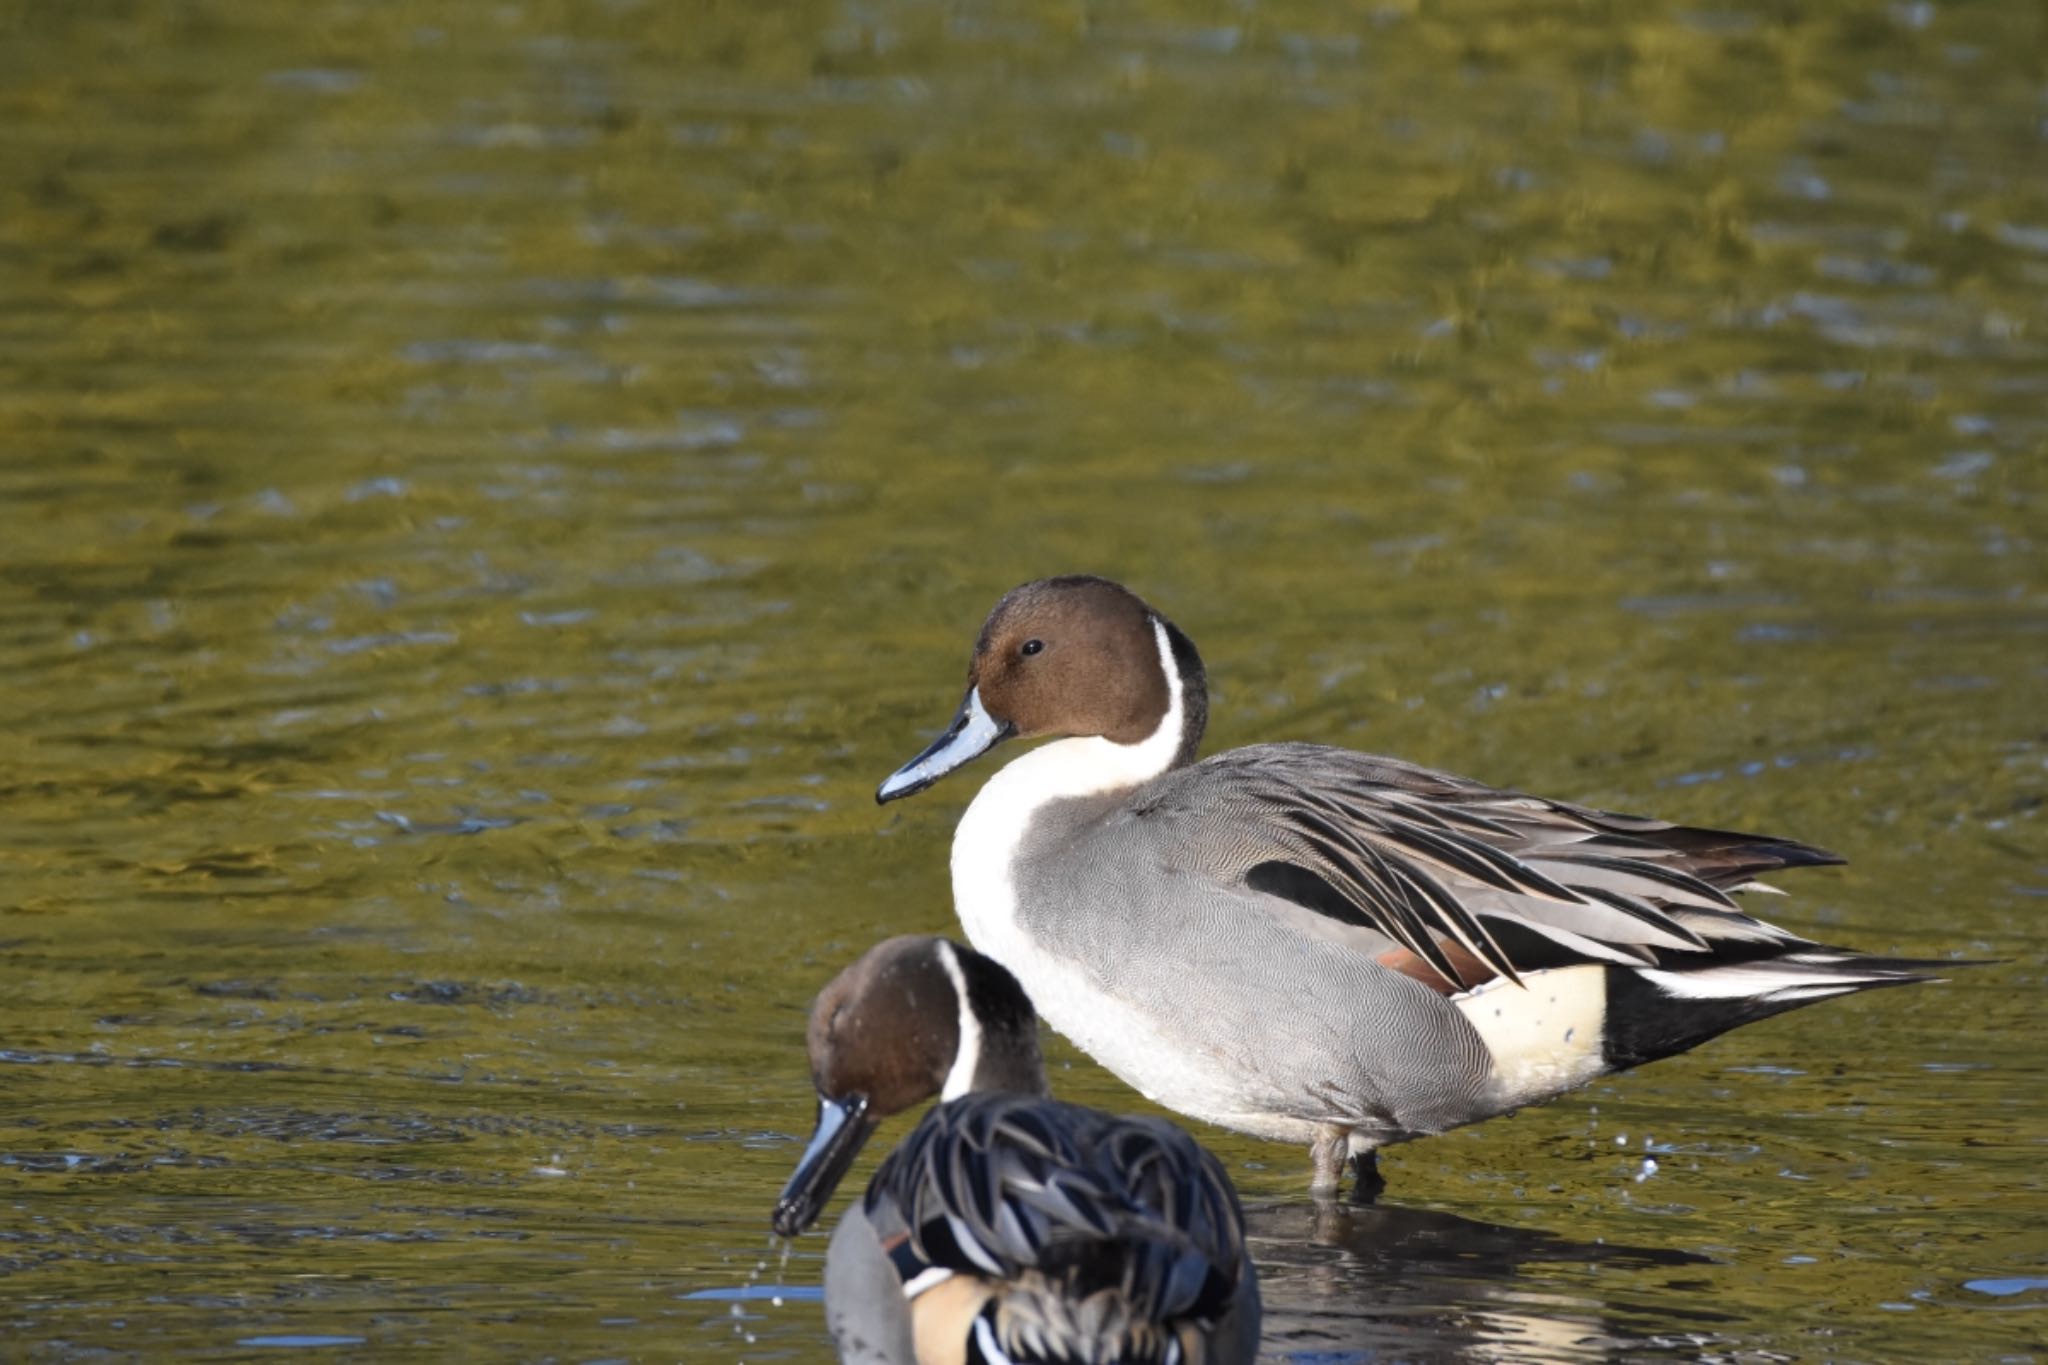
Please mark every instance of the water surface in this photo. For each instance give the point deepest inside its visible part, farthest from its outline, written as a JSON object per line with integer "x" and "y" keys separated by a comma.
{"x": 489, "y": 489}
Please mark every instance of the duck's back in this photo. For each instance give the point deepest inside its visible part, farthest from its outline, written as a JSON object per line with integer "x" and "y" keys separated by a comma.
{"x": 1056, "y": 1228}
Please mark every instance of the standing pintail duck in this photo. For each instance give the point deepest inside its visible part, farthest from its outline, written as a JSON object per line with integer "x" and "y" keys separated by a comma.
{"x": 1310, "y": 944}
{"x": 1007, "y": 1227}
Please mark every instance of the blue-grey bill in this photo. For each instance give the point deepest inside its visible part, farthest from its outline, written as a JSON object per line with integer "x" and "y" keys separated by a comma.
{"x": 843, "y": 1125}
{"x": 973, "y": 733}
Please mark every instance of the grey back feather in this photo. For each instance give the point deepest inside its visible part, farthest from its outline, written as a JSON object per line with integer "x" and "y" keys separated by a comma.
{"x": 1422, "y": 856}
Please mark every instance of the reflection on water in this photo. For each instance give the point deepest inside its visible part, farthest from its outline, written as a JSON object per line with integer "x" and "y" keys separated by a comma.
{"x": 488, "y": 489}
{"x": 1369, "y": 1282}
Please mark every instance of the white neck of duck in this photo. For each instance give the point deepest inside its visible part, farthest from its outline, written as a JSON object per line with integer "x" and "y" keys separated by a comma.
{"x": 995, "y": 822}
{"x": 967, "y": 1055}
{"x": 1127, "y": 1041}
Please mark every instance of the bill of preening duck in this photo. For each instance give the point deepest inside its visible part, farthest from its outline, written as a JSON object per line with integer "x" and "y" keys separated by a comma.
{"x": 1007, "y": 1227}
{"x": 1310, "y": 944}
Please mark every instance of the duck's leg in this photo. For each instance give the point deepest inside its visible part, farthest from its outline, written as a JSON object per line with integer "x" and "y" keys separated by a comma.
{"x": 1366, "y": 1180}
{"x": 1329, "y": 1149}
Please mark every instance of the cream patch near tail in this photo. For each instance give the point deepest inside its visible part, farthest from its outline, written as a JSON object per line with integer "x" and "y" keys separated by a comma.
{"x": 944, "y": 1316}
{"x": 1545, "y": 1037}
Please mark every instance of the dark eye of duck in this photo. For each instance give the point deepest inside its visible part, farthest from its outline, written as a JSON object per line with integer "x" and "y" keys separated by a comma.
{"x": 1031, "y": 647}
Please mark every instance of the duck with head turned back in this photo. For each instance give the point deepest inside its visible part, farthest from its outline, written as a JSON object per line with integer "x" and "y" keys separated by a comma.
{"x": 1311, "y": 944}
{"x": 1007, "y": 1227}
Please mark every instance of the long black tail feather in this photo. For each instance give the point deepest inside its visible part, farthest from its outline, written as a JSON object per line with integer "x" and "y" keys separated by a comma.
{"x": 1655, "y": 1012}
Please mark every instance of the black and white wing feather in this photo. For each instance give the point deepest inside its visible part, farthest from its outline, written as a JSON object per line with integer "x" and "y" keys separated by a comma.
{"x": 1015, "y": 1188}
{"x": 1444, "y": 866}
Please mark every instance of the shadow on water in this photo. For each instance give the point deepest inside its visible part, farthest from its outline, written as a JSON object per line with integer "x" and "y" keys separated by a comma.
{"x": 1347, "y": 1281}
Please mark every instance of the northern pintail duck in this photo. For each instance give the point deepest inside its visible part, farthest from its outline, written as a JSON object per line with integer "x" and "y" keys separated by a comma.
{"x": 1007, "y": 1227}
{"x": 1315, "y": 945}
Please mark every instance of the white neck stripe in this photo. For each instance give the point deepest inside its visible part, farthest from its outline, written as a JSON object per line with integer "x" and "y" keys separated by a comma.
{"x": 1163, "y": 746}
{"x": 967, "y": 1058}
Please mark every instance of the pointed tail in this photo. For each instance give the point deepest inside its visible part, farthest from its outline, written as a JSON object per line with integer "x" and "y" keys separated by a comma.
{"x": 1657, "y": 1012}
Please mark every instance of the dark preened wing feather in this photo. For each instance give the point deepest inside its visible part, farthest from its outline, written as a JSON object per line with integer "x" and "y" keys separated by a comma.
{"x": 1430, "y": 860}
{"x": 1720, "y": 857}
{"x": 996, "y": 1185}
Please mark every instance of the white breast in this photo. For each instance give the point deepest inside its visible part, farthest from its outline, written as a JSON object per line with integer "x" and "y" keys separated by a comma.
{"x": 1167, "y": 1070}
